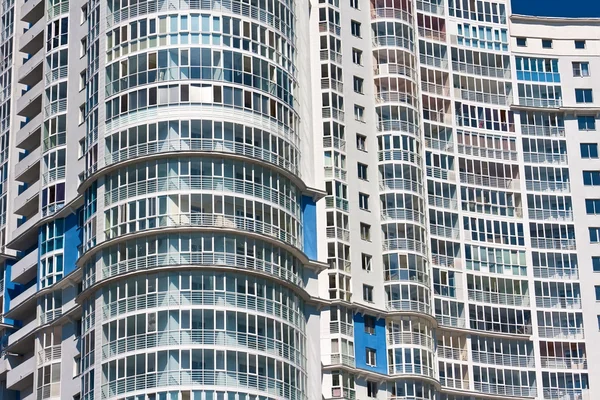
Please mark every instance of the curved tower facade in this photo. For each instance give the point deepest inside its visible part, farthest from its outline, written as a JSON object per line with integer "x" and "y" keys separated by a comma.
{"x": 283, "y": 200}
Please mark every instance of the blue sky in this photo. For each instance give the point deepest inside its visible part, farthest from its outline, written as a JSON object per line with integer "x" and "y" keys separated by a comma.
{"x": 557, "y": 8}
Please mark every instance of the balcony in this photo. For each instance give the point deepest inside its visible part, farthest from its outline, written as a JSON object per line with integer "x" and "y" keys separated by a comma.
{"x": 564, "y": 362}
{"x": 454, "y": 322}
{"x": 393, "y": 69}
{"x": 506, "y": 390}
{"x": 343, "y": 393}
{"x": 30, "y": 103}
{"x": 336, "y": 202}
{"x": 432, "y": 34}
{"x": 481, "y": 70}
{"x": 330, "y": 27}
{"x": 558, "y": 302}
{"x": 336, "y": 143}
{"x": 490, "y": 181}
{"x": 330, "y": 55}
{"x": 487, "y": 98}
{"x": 339, "y": 359}
{"x": 21, "y": 376}
{"x": 545, "y": 131}
{"x": 427, "y": 6}
{"x": 335, "y": 173}
{"x": 32, "y": 11}
{"x": 338, "y": 233}
{"x": 441, "y": 173}
{"x": 566, "y": 394}
{"x": 29, "y": 136}
{"x": 548, "y": 186}
{"x": 25, "y": 300}
{"x": 506, "y": 155}
{"x": 554, "y": 244}
{"x": 434, "y": 61}
{"x": 24, "y": 236}
{"x": 556, "y": 273}
{"x": 440, "y": 90}
{"x": 408, "y": 305}
{"x": 343, "y": 328}
{"x": 25, "y": 269}
{"x": 380, "y": 11}
{"x": 23, "y": 339}
{"x": 31, "y": 71}
{"x": 519, "y": 300}
{"x": 28, "y": 169}
{"x": 454, "y": 383}
{"x": 545, "y": 158}
{"x": 412, "y": 338}
{"x": 442, "y": 202}
{"x": 540, "y": 103}
{"x": 339, "y": 263}
{"x": 444, "y": 231}
{"x": 328, "y": 83}
{"x": 507, "y": 360}
{"x": 26, "y": 203}
{"x": 452, "y": 353}
{"x": 32, "y": 39}
{"x": 550, "y": 332}
{"x": 331, "y": 112}
{"x": 550, "y": 215}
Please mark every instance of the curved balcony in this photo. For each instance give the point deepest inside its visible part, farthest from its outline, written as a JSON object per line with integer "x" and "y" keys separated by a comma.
{"x": 412, "y": 369}
{"x": 379, "y": 11}
{"x": 403, "y": 214}
{"x": 404, "y": 244}
{"x": 412, "y": 338}
{"x": 207, "y": 220}
{"x": 408, "y": 305}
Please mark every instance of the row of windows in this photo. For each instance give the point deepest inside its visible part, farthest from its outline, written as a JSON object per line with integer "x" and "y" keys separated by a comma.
{"x": 548, "y": 43}
{"x": 227, "y": 96}
{"x": 199, "y": 63}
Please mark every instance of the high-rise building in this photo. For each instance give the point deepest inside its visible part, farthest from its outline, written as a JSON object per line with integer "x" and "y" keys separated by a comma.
{"x": 285, "y": 200}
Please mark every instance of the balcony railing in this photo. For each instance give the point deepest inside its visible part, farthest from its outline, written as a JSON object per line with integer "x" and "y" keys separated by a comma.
{"x": 558, "y": 302}
{"x": 331, "y": 56}
{"x": 444, "y": 231}
{"x": 481, "y": 70}
{"x": 391, "y": 13}
{"x": 408, "y": 305}
{"x": 550, "y": 332}
{"x": 437, "y": 144}
{"x": 546, "y": 131}
{"x": 441, "y": 90}
{"x": 508, "y": 360}
{"x": 337, "y": 143}
{"x": 488, "y": 98}
{"x": 423, "y": 5}
{"x": 442, "y": 202}
{"x": 456, "y": 322}
{"x": 499, "y": 298}
{"x": 330, "y": 27}
{"x": 542, "y": 103}
{"x": 339, "y": 263}
{"x": 548, "y": 186}
{"x": 335, "y": 172}
{"x": 343, "y": 328}
{"x": 551, "y": 215}
{"x": 545, "y": 158}
{"x": 452, "y": 353}
{"x": 441, "y": 173}
{"x": 438, "y": 62}
{"x": 566, "y": 394}
{"x": 505, "y": 390}
{"x": 498, "y": 154}
{"x": 455, "y": 383}
{"x": 388, "y": 214}
{"x": 343, "y": 393}
{"x": 564, "y": 362}
{"x": 328, "y": 83}
{"x": 336, "y": 202}
{"x": 330, "y": 112}
{"x": 556, "y": 273}
{"x": 490, "y": 181}
{"x": 338, "y": 233}
{"x": 554, "y": 244}
{"x": 414, "y": 338}
{"x": 337, "y": 359}
{"x": 432, "y": 34}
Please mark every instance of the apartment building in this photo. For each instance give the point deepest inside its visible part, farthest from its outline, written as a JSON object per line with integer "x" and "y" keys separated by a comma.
{"x": 268, "y": 200}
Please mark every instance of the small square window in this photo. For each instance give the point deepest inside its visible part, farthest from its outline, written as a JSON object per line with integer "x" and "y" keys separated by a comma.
{"x": 368, "y": 293}
{"x": 357, "y": 56}
{"x": 84, "y": 14}
{"x": 597, "y": 290}
{"x": 358, "y": 84}
{"x": 584, "y": 96}
{"x": 586, "y": 122}
{"x": 363, "y": 201}
{"x": 363, "y": 171}
{"x": 581, "y": 68}
{"x": 369, "y": 324}
{"x": 594, "y": 235}
{"x": 361, "y": 142}
{"x": 354, "y": 4}
{"x": 371, "y": 357}
{"x": 83, "y": 47}
{"x": 82, "y": 114}
{"x": 547, "y": 43}
{"x": 371, "y": 390}
{"x": 589, "y": 150}
{"x": 580, "y": 44}
{"x": 355, "y": 28}
{"x": 366, "y": 261}
{"x": 365, "y": 231}
{"x": 521, "y": 42}
{"x": 81, "y": 152}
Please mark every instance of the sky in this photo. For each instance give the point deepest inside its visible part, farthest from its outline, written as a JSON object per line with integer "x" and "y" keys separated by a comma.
{"x": 557, "y": 8}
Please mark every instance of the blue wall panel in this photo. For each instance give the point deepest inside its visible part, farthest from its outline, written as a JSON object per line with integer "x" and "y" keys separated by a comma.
{"x": 362, "y": 340}
{"x": 309, "y": 220}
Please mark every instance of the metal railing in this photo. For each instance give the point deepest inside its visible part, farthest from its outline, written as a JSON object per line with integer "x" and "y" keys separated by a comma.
{"x": 556, "y": 273}
{"x": 546, "y": 131}
{"x": 508, "y": 360}
{"x": 542, "y": 103}
{"x": 506, "y": 390}
{"x": 481, "y": 70}
{"x": 550, "y": 215}
{"x": 547, "y": 186}
{"x": 558, "y": 302}
{"x": 452, "y": 353}
{"x": 498, "y": 154}
{"x": 340, "y": 327}
{"x": 564, "y": 362}
{"x": 413, "y": 338}
{"x": 554, "y": 244}
{"x": 336, "y": 202}
{"x": 519, "y": 300}
{"x": 550, "y": 332}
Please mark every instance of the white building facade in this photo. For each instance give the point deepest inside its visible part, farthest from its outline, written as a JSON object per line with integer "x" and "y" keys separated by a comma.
{"x": 268, "y": 200}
